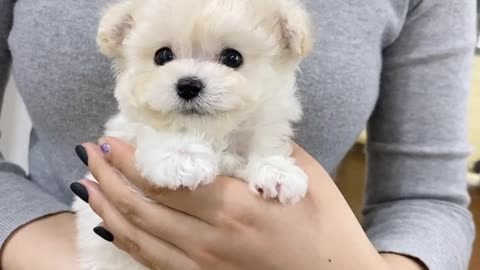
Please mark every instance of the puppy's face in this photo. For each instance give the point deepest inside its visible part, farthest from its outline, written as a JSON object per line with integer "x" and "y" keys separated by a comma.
{"x": 188, "y": 60}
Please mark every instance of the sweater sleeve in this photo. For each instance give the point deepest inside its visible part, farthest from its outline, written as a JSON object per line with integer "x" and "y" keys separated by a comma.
{"x": 21, "y": 201}
{"x": 417, "y": 199}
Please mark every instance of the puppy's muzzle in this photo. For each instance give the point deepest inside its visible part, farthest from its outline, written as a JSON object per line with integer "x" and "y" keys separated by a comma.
{"x": 189, "y": 88}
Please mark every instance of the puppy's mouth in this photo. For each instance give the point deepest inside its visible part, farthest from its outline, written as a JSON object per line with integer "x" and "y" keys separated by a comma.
{"x": 195, "y": 109}
{"x": 193, "y": 112}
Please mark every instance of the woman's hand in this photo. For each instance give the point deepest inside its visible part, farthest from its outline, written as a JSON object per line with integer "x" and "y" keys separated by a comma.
{"x": 224, "y": 225}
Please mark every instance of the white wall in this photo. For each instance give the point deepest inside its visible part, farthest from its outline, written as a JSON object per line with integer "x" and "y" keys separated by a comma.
{"x": 15, "y": 126}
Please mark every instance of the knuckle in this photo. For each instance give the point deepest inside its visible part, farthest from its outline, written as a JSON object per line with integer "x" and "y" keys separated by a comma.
{"x": 97, "y": 207}
{"x": 228, "y": 222}
{"x": 141, "y": 259}
{"x": 154, "y": 266}
{"x": 150, "y": 190}
{"x": 125, "y": 206}
{"x": 235, "y": 220}
{"x": 150, "y": 264}
{"x": 193, "y": 266}
{"x": 167, "y": 262}
{"x": 131, "y": 246}
{"x": 246, "y": 218}
{"x": 207, "y": 256}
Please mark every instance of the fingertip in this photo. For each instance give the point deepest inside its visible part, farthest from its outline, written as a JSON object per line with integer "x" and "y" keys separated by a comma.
{"x": 82, "y": 154}
{"x": 80, "y": 191}
{"x": 90, "y": 148}
{"x": 103, "y": 233}
{"x": 91, "y": 186}
{"x": 96, "y": 199}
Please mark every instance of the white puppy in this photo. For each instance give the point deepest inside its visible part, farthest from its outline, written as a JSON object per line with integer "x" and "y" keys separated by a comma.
{"x": 205, "y": 87}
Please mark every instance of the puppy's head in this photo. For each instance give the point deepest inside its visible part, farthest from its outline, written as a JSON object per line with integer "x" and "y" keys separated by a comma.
{"x": 188, "y": 61}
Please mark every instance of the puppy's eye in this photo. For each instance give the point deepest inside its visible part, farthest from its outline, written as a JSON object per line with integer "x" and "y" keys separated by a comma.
{"x": 231, "y": 58}
{"x": 163, "y": 56}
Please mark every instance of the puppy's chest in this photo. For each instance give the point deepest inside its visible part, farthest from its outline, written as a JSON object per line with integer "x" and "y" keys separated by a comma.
{"x": 237, "y": 143}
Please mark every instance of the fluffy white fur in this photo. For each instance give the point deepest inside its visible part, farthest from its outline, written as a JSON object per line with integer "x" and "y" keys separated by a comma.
{"x": 246, "y": 114}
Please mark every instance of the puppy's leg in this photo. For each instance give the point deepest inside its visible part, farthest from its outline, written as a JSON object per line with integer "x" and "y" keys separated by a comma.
{"x": 176, "y": 161}
{"x": 168, "y": 160}
{"x": 272, "y": 172}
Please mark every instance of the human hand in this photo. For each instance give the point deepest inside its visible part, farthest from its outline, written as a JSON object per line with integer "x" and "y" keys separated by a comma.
{"x": 224, "y": 225}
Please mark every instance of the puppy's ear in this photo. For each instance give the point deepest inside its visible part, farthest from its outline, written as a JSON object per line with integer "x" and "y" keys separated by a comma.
{"x": 294, "y": 29}
{"x": 114, "y": 26}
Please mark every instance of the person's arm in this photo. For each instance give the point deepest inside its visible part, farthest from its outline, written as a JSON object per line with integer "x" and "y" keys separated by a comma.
{"x": 417, "y": 196}
{"x": 28, "y": 241}
{"x": 45, "y": 244}
{"x": 31, "y": 237}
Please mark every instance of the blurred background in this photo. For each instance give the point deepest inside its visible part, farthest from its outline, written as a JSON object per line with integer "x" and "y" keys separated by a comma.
{"x": 15, "y": 127}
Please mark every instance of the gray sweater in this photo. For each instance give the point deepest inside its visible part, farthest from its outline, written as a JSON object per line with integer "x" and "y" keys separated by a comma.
{"x": 402, "y": 67}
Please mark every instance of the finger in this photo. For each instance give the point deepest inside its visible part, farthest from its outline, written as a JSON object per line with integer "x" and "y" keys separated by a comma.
{"x": 173, "y": 226}
{"x": 149, "y": 250}
{"x": 205, "y": 203}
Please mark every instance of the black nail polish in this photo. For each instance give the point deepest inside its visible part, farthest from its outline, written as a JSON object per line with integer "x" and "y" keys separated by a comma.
{"x": 82, "y": 154}
{"x": 103, "y": 233}
{"x": 79, "y": 190}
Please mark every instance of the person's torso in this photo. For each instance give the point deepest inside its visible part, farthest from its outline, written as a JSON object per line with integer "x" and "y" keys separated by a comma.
{"x": 67, "y": 84}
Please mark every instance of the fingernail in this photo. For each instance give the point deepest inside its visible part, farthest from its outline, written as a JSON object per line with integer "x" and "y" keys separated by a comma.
{"x": 105, "y": 147}
{"x": 103, "y": 233}
{"x": 82, "y": 154}
{"x": 79, "y": 190}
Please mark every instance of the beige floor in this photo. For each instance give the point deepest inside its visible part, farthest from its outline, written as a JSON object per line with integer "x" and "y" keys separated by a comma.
{"x": 350, "y": 179}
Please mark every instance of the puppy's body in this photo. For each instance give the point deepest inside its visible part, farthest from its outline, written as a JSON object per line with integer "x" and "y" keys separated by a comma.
{"x": 240, "y": 59}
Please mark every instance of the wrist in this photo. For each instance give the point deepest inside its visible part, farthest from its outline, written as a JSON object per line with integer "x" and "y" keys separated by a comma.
{"x": 45, "y": 243}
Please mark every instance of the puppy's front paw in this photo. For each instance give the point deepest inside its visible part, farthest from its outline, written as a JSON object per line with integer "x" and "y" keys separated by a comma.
{"x": 277, "y": 177}
{"x": 177, "y": 162}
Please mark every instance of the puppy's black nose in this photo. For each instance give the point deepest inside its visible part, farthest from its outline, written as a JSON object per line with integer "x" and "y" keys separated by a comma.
{"x": 189, "y": 88}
